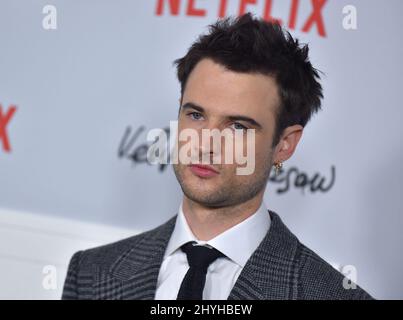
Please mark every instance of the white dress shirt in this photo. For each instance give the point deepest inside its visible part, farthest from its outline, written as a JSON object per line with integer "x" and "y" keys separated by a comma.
{"x": 237, "y": 243}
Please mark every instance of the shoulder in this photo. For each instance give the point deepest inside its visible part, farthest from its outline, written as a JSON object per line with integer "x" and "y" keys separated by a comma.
{"x": 102, "y": 257}
{"x": 310, "y": 275}
{"x": 86, "y": 267}
{"x": 319, "y": 280}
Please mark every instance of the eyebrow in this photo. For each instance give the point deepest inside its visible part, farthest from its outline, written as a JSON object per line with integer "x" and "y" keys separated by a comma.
{"x": 191, "y": 105}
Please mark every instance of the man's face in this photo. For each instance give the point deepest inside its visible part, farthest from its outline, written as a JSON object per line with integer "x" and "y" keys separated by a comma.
{"x": 214, "y": 98}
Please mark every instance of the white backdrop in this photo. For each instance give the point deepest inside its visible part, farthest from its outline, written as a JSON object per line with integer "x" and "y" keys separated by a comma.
{"x": 107, "y": 68}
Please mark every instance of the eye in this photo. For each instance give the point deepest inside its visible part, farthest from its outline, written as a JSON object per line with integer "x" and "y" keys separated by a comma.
{"x": 238, "y": 126}
{"x": 194, "y": 115}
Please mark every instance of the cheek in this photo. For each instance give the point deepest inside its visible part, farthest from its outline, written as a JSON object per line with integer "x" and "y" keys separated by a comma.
{"x": 257, "y": 159}
{"x": 252, "y": 147}
{"x": 263, "y": 156}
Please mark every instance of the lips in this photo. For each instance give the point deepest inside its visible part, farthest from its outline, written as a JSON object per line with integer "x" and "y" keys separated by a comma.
{"x": 203, "y": 171}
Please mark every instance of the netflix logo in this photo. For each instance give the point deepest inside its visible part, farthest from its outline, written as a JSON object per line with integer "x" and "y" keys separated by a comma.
{"x": 5, "y": 118}
{"x": 313, "y": 22}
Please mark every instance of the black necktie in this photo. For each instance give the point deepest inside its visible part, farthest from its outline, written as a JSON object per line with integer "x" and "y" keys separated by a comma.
{"x": 199, "y": 259}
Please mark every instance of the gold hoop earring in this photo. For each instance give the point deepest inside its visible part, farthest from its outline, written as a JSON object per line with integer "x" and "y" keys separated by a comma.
{"x": 278, "y": 166}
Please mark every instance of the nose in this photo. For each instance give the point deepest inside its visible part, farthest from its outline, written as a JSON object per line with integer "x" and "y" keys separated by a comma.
{"x": 209, "y": 145}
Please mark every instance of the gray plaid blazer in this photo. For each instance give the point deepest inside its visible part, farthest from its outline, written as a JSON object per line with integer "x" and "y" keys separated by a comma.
{"x": 280, "y": 268}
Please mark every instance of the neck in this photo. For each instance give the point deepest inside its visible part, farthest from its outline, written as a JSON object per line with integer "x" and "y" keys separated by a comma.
{"x": 206, "y": 222}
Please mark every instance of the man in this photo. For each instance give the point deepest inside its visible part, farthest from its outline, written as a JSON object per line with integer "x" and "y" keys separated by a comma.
{"x": 245, "y": 74}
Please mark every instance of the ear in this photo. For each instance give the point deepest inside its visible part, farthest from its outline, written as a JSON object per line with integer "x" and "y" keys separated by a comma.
{"x": 288, "y": 143}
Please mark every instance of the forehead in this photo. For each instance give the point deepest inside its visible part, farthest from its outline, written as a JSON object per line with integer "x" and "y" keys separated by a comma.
{"x": 220, "y": 90}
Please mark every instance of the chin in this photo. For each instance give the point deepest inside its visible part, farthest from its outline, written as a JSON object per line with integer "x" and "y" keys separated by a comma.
{"x": 198, "y": 192}
{"x": 201, "y": 191}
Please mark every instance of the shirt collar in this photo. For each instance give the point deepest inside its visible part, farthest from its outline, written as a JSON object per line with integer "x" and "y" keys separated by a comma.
{"x": 237, "y": 243}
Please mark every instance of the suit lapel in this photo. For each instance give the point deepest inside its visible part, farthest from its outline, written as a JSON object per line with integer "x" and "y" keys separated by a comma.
{"x": 271, "y": 271}
{"x": 134, "y": 275}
